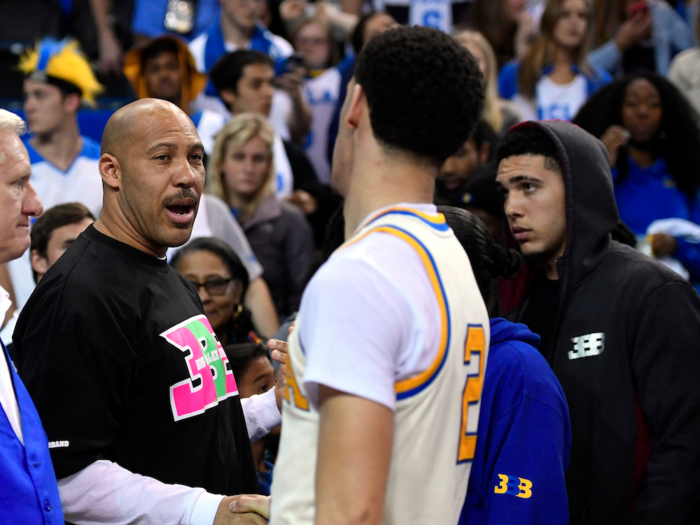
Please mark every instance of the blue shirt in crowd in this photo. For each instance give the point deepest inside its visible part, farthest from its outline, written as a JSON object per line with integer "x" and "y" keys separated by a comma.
{"x": 522, "y": 453}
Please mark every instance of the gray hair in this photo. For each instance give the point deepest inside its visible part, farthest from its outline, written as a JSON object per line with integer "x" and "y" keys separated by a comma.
{"x": 12, "y": 123}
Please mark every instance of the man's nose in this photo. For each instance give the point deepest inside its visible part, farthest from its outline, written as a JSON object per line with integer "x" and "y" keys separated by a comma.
{"x": 31, "y": 205}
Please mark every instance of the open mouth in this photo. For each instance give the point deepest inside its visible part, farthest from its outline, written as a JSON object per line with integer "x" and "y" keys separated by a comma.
{"x": 181, "y": 211}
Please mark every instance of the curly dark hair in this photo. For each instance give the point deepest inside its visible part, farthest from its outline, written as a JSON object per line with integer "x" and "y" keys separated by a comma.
{"x": 680, "y": 147}
{"x": 529, "y": 140}
{"x": 488, "y": 259}
{"x": 424, "y": 91}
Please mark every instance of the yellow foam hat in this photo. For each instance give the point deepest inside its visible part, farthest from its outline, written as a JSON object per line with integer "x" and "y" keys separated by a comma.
{"x": 61, "y": 61}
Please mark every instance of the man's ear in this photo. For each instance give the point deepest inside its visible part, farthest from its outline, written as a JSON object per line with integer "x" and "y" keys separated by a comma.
{"x": 484, "y": 152}
{"x": 71, "y": 102}
{"x": 358, "y": 103}
{"x": 40, "y": 264}
{"x": 229, "y": 98}
{"x": 110, "y": 171}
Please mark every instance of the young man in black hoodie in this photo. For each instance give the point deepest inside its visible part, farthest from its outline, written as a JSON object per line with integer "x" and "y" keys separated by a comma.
{"x": 620, "y": 331}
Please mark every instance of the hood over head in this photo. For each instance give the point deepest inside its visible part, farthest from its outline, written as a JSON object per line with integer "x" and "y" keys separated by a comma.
{"x": 193, "y": 81}
{"x": 591, "y": 212}
{"x": 502, "y": 330}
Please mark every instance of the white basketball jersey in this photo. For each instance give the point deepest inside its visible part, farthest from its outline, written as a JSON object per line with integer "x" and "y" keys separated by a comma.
{"x": 436, "y": 412}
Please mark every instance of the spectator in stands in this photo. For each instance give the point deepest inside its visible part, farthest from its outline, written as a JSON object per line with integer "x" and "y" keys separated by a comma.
{"x": 653, "y": 142}
{"x": 500, "y": 114}
{"x": 252, "y": 368}
{"x": 554, "y": 78}
{"x": 164, "y": 68}
{"x": 322, "y": 87}
{"x": 221, "y": 281}
{"x": 457, "y": 170}
{"x": 685, "y": 70}
{"x": 241, "y": 173}
{"x": 368, "y": 25}
{"x": 64, "y": 163}
{"x": 626, "y": 359}
{"x": 239, "y": 28}
{"x": 523, "y": 406}
{"x": 152, "y": 18}
{"x": 440, "y": 15}
{"x": 632, "y": 36}
{"x": 244, "y": 81}
{"x": 507, "y": 26}
{"x": 53, "y": 233}
{"x": 314, "y": 41}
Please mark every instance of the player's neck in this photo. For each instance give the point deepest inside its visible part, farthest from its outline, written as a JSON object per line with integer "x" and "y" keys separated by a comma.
{"x": 61, "y": 146}
{"x": 234, "y": 33}
{"x": 383, "y": 182}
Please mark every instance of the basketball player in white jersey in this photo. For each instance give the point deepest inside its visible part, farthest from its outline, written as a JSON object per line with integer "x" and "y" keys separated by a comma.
{"x": 389, "y": 351}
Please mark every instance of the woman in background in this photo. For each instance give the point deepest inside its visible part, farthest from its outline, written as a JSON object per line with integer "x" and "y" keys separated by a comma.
{"x": 650, "y": 131}
{"x": 241, "y": 172}
{"x": 221, "y": 280}
{"x": 554, "y": 78}
{"x": 499, "y": 113}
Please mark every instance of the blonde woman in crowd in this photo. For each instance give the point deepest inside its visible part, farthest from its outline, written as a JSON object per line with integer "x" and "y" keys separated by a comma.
{"x": 500, "y": 114}
{"x": 241, "y": 172}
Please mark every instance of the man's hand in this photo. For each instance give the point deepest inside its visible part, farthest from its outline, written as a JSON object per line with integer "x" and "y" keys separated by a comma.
{"x": 612, "y": 139}
{"x": 292, "y": 82}
{"x": 632, "y": 31}
{"x": 226, "y": 516}
{"x": 251, "y": 503}
{"x": 280, "y": 349}
{"x": 663, "y": 245}
{"x": 303, "y": 200}
{"x": 292, "y": 9}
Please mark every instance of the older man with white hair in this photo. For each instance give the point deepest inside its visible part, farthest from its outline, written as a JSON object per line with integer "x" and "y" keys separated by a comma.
{"x": 28, "y": 490}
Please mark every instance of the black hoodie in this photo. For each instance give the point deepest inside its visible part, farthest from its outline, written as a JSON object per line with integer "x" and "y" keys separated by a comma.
{"x": 626, "y": 349}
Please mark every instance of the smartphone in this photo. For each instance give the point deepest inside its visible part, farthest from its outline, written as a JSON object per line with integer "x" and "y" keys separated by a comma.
{"x": 294, "y": 62}
{"x": 638, "y": 8}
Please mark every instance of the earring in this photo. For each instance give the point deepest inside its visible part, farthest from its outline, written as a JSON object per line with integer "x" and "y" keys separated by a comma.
{"x": 237, "y": 312}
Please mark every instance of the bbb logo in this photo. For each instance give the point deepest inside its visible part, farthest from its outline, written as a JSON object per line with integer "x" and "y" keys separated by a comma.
{"x": 518, "y": 487}
{"x": 587, "y": 345}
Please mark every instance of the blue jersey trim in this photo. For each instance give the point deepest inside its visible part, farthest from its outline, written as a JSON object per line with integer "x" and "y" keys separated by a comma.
{"x": 439, "y": 226}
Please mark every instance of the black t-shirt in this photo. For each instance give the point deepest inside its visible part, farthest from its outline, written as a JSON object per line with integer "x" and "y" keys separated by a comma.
{"x": 540, "y": 312}
{"x": 122, "y": 365}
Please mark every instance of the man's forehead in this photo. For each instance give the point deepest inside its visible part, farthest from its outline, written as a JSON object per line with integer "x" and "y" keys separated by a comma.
{"x": 258, "y": 70}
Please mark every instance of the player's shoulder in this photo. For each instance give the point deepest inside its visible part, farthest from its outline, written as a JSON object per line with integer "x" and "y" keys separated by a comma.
{"x": 91, "y": 149}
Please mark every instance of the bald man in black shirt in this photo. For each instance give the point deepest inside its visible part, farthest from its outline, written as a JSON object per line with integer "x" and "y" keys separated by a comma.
{"x": 136, "y": 394}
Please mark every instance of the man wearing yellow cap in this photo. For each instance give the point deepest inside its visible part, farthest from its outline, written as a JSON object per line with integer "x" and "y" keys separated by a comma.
{"x": 64, "y": 163}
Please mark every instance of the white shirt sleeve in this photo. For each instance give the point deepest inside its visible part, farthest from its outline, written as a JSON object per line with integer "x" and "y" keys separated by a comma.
{"x": 105, "y": 492}
{"x": 261, "y": 414}
{"x": 357, "y": 327}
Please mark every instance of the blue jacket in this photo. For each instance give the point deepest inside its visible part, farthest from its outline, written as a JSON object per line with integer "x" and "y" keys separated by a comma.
{"x": 508, "y": 79}
{"x": 522, "y": 449}
{"x": 649, "y": 194}
{"x": 28, "y": 490}
{"x": 669, "y": 32}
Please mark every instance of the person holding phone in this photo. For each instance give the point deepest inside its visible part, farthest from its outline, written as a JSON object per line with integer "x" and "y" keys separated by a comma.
{"x": 638, "y": 35}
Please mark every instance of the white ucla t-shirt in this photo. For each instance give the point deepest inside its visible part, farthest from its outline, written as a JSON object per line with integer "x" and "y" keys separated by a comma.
{"x": 554, "y": 101}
